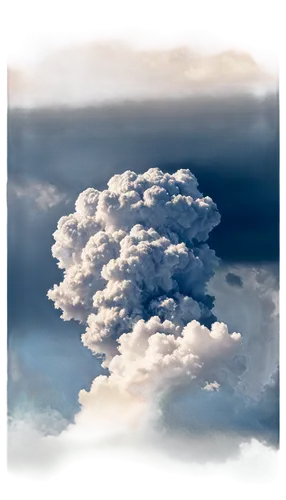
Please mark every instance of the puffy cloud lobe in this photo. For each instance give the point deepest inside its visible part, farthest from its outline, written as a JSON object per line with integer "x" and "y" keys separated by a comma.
{"x": 157, "y": 355}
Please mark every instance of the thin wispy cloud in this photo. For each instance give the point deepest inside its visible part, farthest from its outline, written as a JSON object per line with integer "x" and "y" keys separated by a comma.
{"x": 42, "y": 195}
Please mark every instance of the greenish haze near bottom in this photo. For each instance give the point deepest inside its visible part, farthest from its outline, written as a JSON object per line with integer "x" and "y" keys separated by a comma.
{"x": 256, "y": 464}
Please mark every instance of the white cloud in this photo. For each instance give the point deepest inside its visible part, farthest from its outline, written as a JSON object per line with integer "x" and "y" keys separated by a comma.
{"x": 213, "y": 386}
{"x": 43, "y": 195}
{"x": 132, "y": 63}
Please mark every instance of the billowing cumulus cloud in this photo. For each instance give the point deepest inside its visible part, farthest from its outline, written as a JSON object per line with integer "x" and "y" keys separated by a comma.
{"x": 101, "y": 72}
{"x": 136, "y": 270}
{"x": 135, "y": 250}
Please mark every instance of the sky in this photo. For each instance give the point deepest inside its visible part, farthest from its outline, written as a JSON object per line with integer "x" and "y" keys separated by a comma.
{"x": 143, "y": 239}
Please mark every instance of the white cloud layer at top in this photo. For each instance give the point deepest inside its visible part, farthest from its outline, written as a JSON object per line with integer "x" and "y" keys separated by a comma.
{"x": 133, "y": 64}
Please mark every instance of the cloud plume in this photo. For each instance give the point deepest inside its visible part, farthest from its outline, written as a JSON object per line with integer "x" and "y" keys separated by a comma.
{"x": 136, "y": 271}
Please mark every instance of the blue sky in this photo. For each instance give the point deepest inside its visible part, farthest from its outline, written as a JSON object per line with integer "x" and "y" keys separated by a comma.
{"x": 68, "y": 132}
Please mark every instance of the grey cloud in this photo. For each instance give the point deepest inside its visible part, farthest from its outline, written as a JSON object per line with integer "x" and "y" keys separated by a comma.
{"x": 234, "y": 280}
{"x": 42, "y": 194}
{"x": 253, "y": 310}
